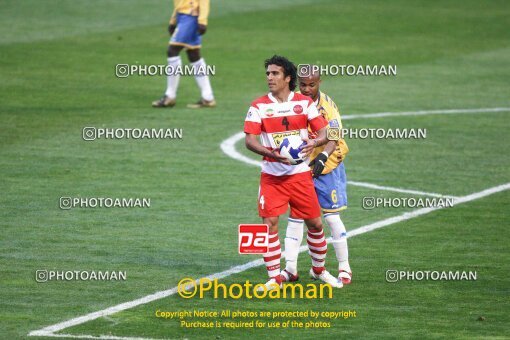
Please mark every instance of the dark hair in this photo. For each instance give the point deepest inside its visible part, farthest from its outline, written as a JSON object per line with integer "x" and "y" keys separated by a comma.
{"x": 289, "y": 69}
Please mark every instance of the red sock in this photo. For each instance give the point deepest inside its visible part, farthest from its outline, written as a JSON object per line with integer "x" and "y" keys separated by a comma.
{"x": 317, "y": 248}
{"x": 272, "y": 258}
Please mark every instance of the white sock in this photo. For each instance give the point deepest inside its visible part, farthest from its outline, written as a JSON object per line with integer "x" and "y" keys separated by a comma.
{"x": 293, "y": 239}
{"x": 199, "y": 70}
{"x": 172, "y": 82}
{"x": 339, "y": 235}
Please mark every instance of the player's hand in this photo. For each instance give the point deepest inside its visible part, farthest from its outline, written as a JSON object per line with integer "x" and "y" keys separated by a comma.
{"x": 308, "y": 148}
{"x": 171, "y": 29}
{"x": 318, "y": 164}
{"x": 276, "y": 155}
{"x": 202, "y": 29}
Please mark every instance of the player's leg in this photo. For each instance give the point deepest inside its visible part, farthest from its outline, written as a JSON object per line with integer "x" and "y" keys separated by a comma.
{"x": 202, "y": 78}
{"x": 293, "y": 240}
{"x": 339, "y": 236}
{"x": 317, "y": 248}
{"x": 272, "y": 202}
{"x": 332, "y": 194}
{"x": 338, "y": 231}
{"x": 304, "y": 204}
{"x": 176, "y": 44}
{"x": 174, "y": 63}
{"x": 172, "y": 80}
{"x": 273, "y": 256}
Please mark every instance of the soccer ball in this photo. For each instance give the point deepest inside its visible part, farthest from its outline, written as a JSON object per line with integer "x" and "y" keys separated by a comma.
{"x": 290, "y": 148}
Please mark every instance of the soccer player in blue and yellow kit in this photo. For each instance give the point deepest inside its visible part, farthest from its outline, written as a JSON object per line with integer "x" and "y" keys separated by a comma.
{"x": 187, "y": 25}
{"x": 330, "y": 185}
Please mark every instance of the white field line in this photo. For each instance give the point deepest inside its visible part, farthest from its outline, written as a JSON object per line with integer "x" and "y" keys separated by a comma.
{"x": 228, "y": 147}
{"x": 405, "y": 191}
{"x": 425, "y": 112}
{"x": 423, "y": 211}
{"x": 86, "y": 336}
{"x": 50, "y": 330}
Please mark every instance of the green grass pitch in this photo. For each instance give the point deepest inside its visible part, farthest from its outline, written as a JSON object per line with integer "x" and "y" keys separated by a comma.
{"x": 57, "y": 60}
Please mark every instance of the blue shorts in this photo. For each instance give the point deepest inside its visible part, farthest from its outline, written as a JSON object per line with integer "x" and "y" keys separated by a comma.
{"x": 186, "y": 33}
{"x": 331, "y": 190}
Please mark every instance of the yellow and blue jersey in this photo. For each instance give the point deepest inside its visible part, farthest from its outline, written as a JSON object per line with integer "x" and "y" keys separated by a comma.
{"x": 196, "y": 8}
{"x": 328, "y": 109}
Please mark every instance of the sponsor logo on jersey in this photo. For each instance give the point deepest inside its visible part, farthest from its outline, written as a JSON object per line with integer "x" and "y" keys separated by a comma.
{"x": 298, "y": 109}
{"x": 278, "y": 137}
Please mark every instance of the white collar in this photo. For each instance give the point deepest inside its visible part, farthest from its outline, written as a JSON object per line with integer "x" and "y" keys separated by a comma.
{"x": 274, "y": 100}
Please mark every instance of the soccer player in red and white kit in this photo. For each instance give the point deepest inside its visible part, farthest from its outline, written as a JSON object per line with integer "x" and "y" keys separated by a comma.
{"x": 273, "y": 117}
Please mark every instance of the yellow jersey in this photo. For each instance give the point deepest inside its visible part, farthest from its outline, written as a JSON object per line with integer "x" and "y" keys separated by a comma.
{"x": 328, "y": 109}
{"x": 196, "y": 8}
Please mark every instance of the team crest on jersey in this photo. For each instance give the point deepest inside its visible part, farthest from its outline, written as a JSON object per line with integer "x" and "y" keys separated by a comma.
{"x": 269, "y": 112}
{"x": 250, "y": 113}
{"x": 278, "y": 137}
{"x": 298, "y": 109}
{"x": 334, "y": 123}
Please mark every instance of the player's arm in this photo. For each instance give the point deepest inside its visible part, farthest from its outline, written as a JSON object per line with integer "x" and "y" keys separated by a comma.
{"x": 318, "y": 124}
{"x": 319, "y": 141}
{"x": 173, "y": 20}
{"x": 203, "y": 14}
{"x": 252, "y": 129}
{"x": 253, "y": 144}
{"x": 319, "y": 163}
{"x": 341, "y": 144}
{"x": 330, "y": 147}
{"x": 344, "y": 149}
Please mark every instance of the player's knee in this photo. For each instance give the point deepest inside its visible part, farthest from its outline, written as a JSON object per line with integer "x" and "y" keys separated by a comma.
{"x": 272, "y": 223}
{"x": 273, "y": 229}
{"x": 315, "y": 228}
{"x": 173, "y": 51}
{"x": 194, "y": 55}
{"x": 314, "y": 225}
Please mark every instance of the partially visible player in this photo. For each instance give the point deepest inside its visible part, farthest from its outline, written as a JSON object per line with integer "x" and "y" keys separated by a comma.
{"x": 330, "y": 184}
{"x": 187, "y": 25}
{"x": 273, "y": 117}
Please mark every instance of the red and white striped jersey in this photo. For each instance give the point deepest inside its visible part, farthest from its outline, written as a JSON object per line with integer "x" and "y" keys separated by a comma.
{"x": 274, "y": 121}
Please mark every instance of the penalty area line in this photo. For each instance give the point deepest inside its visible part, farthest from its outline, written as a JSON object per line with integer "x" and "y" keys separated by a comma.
{"x": 85, "y": 336}
{"x": 49, "y": 331}
{"x": 426, "y": 112}
{"x": 228, "y": 147}
{"x": 405, "y": 191}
